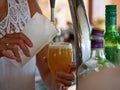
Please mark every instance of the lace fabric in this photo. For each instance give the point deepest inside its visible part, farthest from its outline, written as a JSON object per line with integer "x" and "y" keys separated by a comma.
{"x": 17, "y": 16}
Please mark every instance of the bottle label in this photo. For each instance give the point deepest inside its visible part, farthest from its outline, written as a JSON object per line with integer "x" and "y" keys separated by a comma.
{"x": 99, "y": 33}
{"x": 96, "y": 43}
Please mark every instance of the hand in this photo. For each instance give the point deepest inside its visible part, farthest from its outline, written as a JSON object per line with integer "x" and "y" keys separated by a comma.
{"x": 11, "y": 42}
{"x": 67, "y": 78}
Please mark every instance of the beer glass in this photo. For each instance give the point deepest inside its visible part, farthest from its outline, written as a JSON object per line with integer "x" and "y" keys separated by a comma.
{"x": 59, "y": 56}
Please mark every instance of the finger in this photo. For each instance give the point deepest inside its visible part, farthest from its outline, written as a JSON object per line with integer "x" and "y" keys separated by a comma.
{"x": 26, "y": 40}
{"x": 8, "y": 54}
{"x": 67, "y": 76}
{"x": 16, "y": 53}
{"x": 24, "y": 48}
{"x": 64, "y": 81}
{"x": 19, "y": 36}
{"x": 72, "y": 66}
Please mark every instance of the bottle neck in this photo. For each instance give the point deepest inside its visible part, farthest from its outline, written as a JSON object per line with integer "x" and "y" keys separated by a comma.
{"x": 97, "y": 48}
{"x": 111, "y": 22}
{"x": 111, "y": 28}
{"x": 111, "y": 31}
{"x": 96, "y": 44}
{"x": 111, "y": 19}
{"x": 98, "y": 53}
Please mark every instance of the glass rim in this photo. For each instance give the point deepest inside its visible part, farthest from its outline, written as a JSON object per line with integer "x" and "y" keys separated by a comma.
{"x": 60, "y": 45}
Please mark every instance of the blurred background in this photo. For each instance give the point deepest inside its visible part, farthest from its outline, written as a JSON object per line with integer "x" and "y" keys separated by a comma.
{"x": 96, "y": 13}
{"x": 94, "y": 8}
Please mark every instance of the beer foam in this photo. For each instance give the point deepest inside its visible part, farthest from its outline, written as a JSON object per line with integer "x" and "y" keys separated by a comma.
{"x": 60, "y": 45}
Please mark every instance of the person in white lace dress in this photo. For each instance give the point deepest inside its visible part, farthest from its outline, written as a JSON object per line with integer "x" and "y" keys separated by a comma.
{"x": 14, "y": 14}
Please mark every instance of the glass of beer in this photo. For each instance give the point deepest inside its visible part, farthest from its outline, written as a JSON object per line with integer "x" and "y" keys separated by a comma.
{"x": 59, "y": 57}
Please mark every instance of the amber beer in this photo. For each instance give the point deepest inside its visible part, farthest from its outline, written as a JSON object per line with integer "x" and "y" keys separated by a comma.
{"x": 59, "y": 56}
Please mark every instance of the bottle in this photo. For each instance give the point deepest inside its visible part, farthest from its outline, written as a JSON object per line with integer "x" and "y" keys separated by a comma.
{"x": 111, "y": 38}
{"x": 97, "y": 60}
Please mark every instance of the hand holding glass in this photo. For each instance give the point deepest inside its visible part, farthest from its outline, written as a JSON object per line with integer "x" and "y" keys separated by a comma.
{"x": 59, "y": 57}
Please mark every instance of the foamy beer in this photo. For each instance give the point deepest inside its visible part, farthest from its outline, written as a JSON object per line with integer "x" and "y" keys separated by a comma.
{"x": 59, "y": 56}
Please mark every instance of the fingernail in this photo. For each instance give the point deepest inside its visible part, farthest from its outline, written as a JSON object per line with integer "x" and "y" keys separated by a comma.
{"x": 28, "y": 54}
{"x": 13, "y": 57}
{"x": 19, "y": 60}
{"x": 30, "y": 44}
{"x": 72, "y": 64}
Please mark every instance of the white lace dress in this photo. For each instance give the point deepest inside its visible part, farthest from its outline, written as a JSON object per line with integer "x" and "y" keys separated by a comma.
{"x": 11, "y": 76}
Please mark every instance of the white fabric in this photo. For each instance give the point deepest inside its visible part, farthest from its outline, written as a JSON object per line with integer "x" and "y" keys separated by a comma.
{"x": 11, "y": 76}
{"x": 15, "y": 78}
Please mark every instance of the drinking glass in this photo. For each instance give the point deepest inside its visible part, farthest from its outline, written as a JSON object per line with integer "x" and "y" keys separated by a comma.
{"x": 59, "y": 56}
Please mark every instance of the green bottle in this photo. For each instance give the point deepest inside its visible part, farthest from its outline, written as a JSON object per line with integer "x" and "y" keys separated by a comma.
{"x": 111, "y": 38}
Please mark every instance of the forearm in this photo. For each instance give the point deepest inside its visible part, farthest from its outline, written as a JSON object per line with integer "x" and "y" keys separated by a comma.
{"x": 46, "y": 77}
{"x": 48, "y": 80}
{"x": 44, "y": 69}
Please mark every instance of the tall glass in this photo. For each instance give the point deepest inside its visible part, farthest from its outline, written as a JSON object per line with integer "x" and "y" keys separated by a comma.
{"x": 59, "y": 56}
